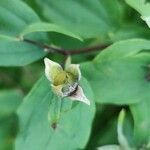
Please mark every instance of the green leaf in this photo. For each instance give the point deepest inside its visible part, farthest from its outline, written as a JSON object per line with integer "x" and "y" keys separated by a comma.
{"x": 8, "y": 38}
{"x": 118, "y": 74}
{"x": 47, "y": 27}
{"x": 15, "y": 53}
{"x": 17, "y": 19}
{"x": 73, "y": 128}
{"x": 86, "y": 18}
{"x": 142, "y": 7}
{"x": 9, "y": 101}
{"x": 14, "y": 17}
{"x": 140, "y": 112}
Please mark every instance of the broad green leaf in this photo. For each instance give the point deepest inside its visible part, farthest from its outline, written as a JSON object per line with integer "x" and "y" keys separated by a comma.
{"x": 143, "y": 7}
{"x": 36, "y": 133}
{"x": 86, "y": 18}
{"x": 17, "y": 19}
{"x": 17, "y": 53}
{"x": 47, "y": 27}
{"x": 140, "y": 112}
{"x": 105, "y": 20}
{"x": 14, "y": 17}
{"x": 9, "y": 101}
{"x": 118, "y": 74}
{"x": 8, "y": 38}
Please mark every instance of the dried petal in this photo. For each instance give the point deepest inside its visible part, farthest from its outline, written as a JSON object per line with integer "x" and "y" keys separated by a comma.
{"x": 57, "y": 89}
{"x": 74, "y": 69}
{"x": 69, "y": 89}
{"x": 52, "y": 69}
{"x": 65, "y": 82}
{"x": 79, "y": 96}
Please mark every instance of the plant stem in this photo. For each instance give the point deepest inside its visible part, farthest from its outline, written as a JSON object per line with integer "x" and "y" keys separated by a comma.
{"x": 66, "y": 51}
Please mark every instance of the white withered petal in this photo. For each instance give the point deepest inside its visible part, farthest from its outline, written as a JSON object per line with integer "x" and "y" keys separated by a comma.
{"x": 79, "y": 96}
{"x": 51, "y": 69}
{"x": 65, "y": 83}
{"x": 74, "y": 69}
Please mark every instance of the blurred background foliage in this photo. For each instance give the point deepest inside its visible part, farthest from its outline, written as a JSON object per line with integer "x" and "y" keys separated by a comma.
{"x": 96, "y": 21}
